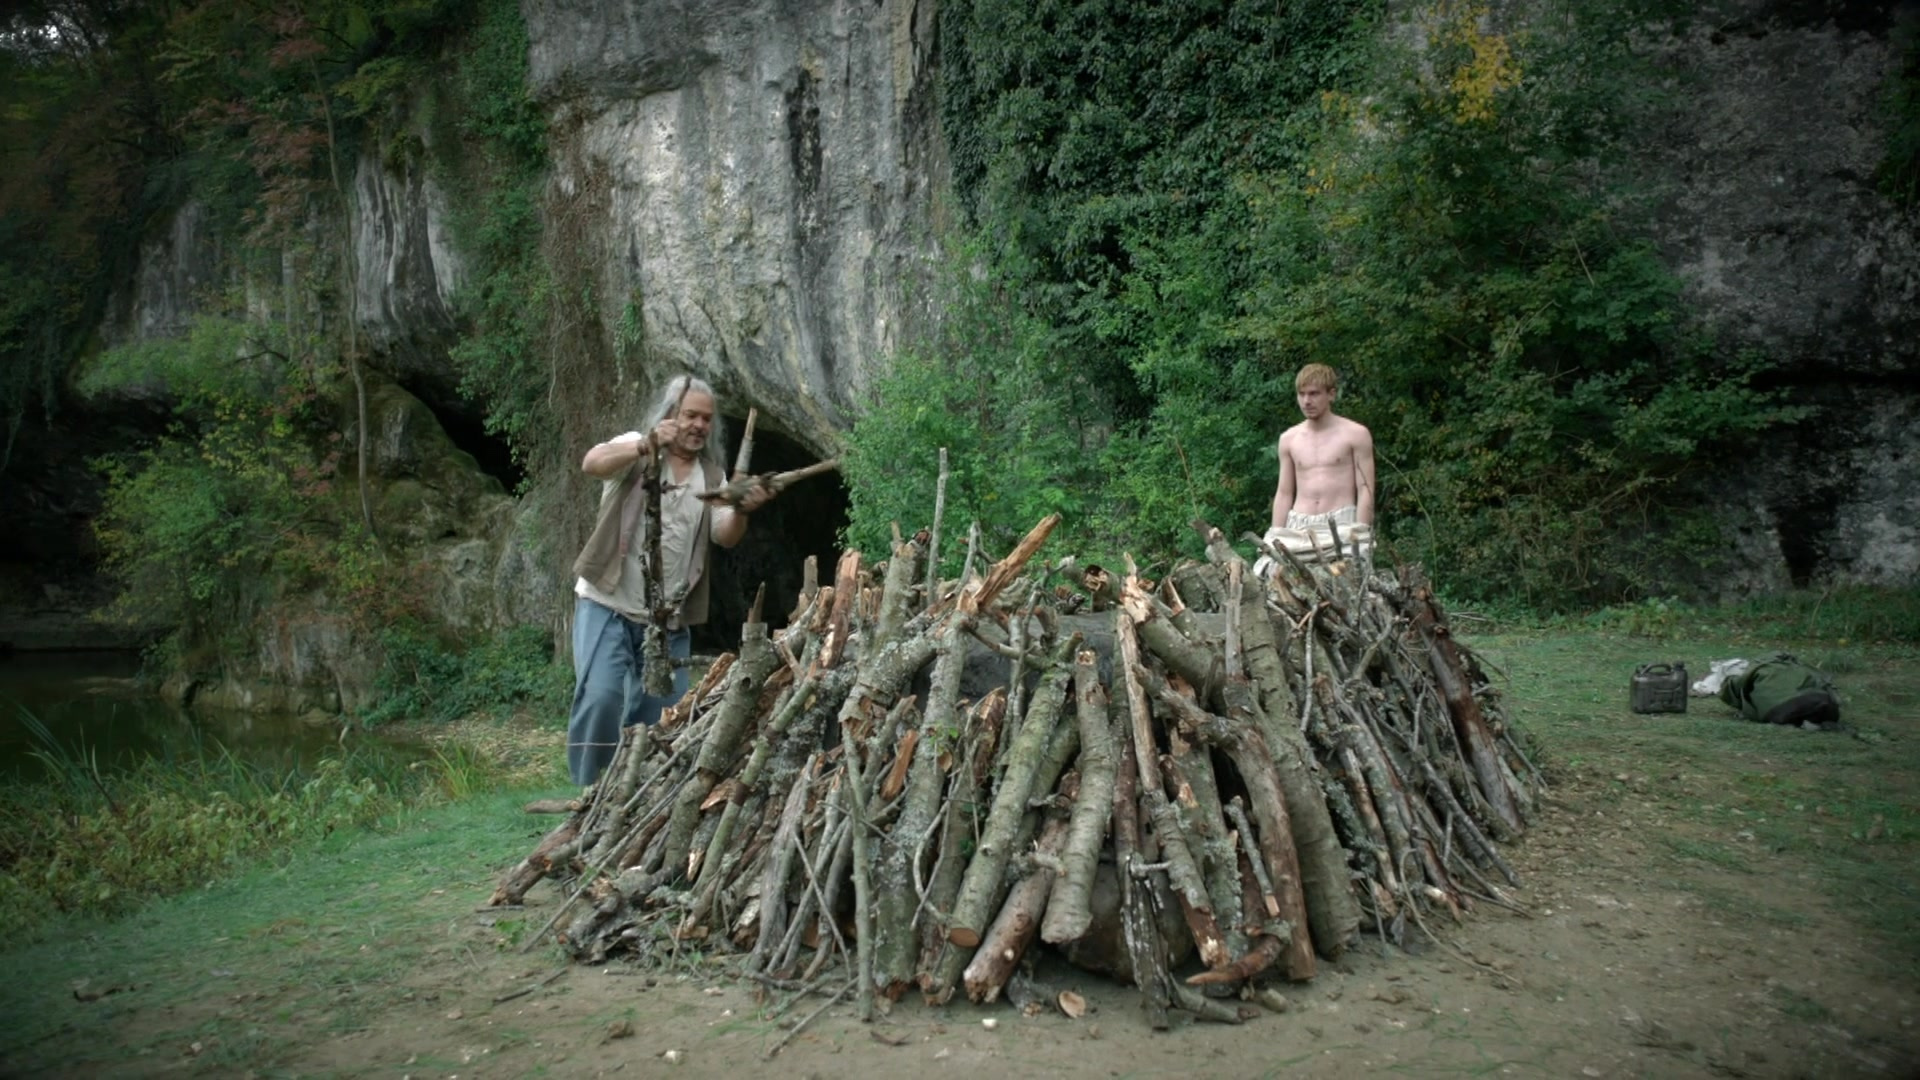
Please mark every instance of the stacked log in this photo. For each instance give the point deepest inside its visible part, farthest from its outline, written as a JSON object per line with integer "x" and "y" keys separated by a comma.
{"x": 1262, "y": 766}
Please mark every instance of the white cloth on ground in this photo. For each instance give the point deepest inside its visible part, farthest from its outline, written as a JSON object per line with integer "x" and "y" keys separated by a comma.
{"x": 1720, "y": 671}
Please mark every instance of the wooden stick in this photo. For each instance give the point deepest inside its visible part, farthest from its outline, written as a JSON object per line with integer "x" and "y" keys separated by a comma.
{"x": 735, "y": 491}
{"x": 1068, "y": 914}
{"x": 1468, "y": 722}
{"x": 1003, "y": 573}
{"x": 983, "y": 885}
{"x": 933, "y": 542}
{"x": 780, "y": 1043}
{"x": 743, "y": 459}
{"x": 1138, "y": 927}
{"x": 1013, "y": 929}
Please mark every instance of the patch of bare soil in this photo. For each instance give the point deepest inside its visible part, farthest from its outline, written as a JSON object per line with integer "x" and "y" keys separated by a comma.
{"x": 1632, "y": 963}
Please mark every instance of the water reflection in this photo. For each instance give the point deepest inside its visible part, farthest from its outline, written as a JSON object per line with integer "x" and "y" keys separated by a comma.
{"x": 92, "y": 703}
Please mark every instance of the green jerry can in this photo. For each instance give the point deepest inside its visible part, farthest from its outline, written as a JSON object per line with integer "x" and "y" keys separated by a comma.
{"x": 1660, "y": 688}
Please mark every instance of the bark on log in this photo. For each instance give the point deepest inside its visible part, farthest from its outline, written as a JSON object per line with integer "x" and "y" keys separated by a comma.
{"x": 982, "y": 886}
{"x": 1002, "y": 574}
{"x": 1469, "y": 724}
{"x": 1244, "y": 744}
{"x": 1332, "y": 914}
{"x": 1068, "y": 914}
{"x": 1199, "y": 663}
{"x": 773, "y": 891}
{"x": 1013, "y": 929}
{"x": 896, "y": 597}
{"x": 1197, "y": 794}
{"x": 513, "y": 887}
{"x": 1144, "y": 951}
{"x": 896, "y": 950}
{"x": 722, "y": 745}
{"x": 961, "y": 819}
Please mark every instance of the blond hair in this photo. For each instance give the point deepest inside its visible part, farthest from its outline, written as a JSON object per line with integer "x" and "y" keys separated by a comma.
{"x": 1319, "y": 375}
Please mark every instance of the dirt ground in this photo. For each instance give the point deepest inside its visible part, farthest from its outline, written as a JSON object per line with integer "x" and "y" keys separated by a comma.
{"x": 1635, "y": 959}
{"x": 1616, "y": 973}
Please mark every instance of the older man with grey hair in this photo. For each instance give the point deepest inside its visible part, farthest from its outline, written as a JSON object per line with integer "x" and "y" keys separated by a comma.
{"x": 683, "y": 440}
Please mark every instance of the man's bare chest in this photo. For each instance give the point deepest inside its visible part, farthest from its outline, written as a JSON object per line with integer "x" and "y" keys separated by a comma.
{"x": 1326, "y": 452}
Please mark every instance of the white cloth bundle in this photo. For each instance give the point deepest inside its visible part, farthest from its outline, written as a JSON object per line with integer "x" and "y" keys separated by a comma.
{"x": 1310, "y": 538}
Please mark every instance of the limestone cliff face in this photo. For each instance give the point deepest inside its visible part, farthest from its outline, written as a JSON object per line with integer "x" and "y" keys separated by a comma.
{"x": 753, "y": 190}
{"x": 763, "y": 178}
{"x": 406, "y": 267}
{"x": 471, "y": 548}
{"x": 1775, "y": 222}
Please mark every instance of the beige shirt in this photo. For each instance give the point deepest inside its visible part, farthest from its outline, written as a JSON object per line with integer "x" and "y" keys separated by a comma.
{"x": 679, "y": 525}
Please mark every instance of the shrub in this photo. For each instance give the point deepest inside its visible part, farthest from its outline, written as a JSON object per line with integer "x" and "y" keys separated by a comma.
{"x": 84, "y": 842}
{"x": 1437, "y": 208}
{"x": 423, "y": 677}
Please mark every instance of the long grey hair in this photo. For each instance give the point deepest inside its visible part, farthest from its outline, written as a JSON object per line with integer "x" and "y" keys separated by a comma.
{"x": 668, "y": 404}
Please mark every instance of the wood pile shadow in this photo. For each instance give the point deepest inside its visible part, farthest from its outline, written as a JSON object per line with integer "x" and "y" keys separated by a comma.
{"x": 1197, "y": 785}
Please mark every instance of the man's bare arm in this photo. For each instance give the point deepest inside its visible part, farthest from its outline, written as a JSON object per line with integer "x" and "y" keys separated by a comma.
{"x": 1363, "y": 474}
{"x": 1284, "y": 494}
{"x": 609, "y": 459}
{"x": 730, "y": 523}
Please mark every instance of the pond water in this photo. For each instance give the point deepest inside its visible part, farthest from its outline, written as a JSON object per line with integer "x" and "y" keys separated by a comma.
{"x": 93, "y": 703}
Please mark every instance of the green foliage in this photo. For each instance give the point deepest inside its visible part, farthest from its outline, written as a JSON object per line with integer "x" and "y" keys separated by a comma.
{"x": 194, "y": 526}
{"x": 509, "y": 292}
{"x": 492, "y": 80}
{"x": 989, "y": 391}
{"x": 1840, "y": 616}
{"x": 422, "y": 677}
{"x": 257, "y": 116}
{"x": 1457, "y": 248}
{"x": 1435, "y": 209}
{"x": 116, "y": 114}
{"x": 217, "y": 360}
{"x": 102, "y": 845}
{"x": 78, "y": 127}
{"x": 1899, "y": 172}
{"x": 1084, "y": 366}
{"x": 1085, "y": 132}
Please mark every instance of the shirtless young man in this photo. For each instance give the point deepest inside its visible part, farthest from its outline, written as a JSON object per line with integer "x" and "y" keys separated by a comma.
{"x": 1326, "y": 462}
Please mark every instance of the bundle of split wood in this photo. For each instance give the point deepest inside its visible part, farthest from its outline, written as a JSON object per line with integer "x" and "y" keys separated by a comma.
{"x": 1262, "y": 767}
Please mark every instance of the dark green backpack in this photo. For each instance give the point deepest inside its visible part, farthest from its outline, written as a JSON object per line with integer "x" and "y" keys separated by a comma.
{"x": 1781, "y": 690}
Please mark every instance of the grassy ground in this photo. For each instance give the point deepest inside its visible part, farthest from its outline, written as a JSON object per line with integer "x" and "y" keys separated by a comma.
{"x": 1843, "y": 808}
{"x": 342, "y": 928}
{"x": 259, "y": 974}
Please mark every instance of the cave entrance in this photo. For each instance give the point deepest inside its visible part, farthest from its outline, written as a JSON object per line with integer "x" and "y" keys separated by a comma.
{"x": 806, "y": 519}
{"x": 468, "y": 431}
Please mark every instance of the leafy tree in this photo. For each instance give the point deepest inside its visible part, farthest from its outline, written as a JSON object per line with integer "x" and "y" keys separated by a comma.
{"x": 199, "y": 527}
{"x": 1187, "y": 202}
{"x": 1458, "y": 246}
{"x": 79, "y": 122}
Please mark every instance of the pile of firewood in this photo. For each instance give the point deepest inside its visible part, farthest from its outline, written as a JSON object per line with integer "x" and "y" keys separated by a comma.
{"x": 1212, "y": 773}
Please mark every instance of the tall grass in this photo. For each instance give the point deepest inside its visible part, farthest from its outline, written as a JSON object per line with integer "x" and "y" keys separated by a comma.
{"x": 88, "y": 841}
{"x": 1842, "y": 614}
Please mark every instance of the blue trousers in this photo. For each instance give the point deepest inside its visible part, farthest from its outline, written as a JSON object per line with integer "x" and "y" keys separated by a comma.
{"x": 607, "y": 686}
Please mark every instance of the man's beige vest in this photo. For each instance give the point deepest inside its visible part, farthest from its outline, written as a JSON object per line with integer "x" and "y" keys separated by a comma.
{"x": 623, "y": 506}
